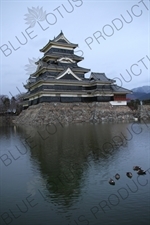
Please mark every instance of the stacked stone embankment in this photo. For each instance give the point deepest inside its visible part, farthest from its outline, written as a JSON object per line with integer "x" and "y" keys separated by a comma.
{"x": 96, "y": 112}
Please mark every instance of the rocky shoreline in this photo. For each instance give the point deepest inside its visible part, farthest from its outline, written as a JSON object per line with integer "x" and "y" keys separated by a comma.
{"x": 96, "y": 112}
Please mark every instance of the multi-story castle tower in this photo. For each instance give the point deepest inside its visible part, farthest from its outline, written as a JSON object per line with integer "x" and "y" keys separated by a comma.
{"x": 58, "y": 78}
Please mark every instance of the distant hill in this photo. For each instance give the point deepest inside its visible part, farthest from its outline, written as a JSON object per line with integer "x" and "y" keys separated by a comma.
{"x": 141, "y": 93}
{"x": 143, "y": 89}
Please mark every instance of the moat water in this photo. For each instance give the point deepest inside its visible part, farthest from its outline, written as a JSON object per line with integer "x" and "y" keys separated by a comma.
{"x": 59, "y": 174}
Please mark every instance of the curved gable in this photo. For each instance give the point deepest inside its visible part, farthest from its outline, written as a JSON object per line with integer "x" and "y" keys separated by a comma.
{"x": 65, "y": 60}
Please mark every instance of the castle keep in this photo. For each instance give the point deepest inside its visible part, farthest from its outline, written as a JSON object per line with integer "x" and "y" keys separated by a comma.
{"x": 58, "y": 78}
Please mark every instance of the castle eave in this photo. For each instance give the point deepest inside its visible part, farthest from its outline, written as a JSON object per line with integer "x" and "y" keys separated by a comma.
{"x": 55, "y": 56}
{"x": 51, "y": 43}
{"x": 84, "y": 93}
{"x": 83, "y": 82}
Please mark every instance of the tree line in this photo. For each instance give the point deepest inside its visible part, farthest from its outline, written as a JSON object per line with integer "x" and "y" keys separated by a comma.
{"x": 11, "y": 105}
{"x": 134, "y": 104}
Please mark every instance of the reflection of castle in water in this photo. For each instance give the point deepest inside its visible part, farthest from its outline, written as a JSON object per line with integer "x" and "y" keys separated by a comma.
{"x": 65, "y": 157}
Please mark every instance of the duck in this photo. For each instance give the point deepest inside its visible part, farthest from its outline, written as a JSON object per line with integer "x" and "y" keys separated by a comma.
{"x": 117, "y": 176}
{"x": 141, "y": 172}
{"x": 129, "y": 174}
{"x": 111, "y": 181}
{"x": 136, "y": 168}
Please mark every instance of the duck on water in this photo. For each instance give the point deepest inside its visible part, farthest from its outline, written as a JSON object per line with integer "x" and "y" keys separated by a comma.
{"x": 136, "y": 168}
{"x": 111, "y": 181}
{"x": 129, "y": 174}
{"x": 141, "y": 172}
{"x": 117, "y": 176}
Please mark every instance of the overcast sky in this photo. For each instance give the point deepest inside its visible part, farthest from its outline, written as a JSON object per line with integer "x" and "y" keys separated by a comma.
{"x": 113, "y": 37}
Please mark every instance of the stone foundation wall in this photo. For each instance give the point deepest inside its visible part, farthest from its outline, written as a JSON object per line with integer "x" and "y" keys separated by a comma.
{"x": 96, "y": 112}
